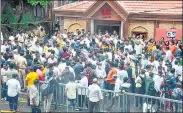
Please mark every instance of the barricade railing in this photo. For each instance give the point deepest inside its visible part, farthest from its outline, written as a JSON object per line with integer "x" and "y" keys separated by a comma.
{"x": 120, "y": 102}
{"x": 112, "y": 101}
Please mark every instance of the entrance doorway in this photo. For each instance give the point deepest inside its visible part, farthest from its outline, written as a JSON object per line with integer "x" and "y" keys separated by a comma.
{"x": 110, "y": 29}
{"x": 107, "y": 25}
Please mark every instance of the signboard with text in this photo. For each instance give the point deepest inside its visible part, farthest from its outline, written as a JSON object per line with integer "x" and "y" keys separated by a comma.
{"x": 106, "y": 13}
{"x": 167, "y": 34}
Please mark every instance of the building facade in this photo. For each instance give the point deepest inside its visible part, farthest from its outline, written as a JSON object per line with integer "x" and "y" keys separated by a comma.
{"x": 152, "y": 19}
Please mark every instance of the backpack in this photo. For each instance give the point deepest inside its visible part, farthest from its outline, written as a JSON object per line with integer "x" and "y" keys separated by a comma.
{"x": 45, "y": 87}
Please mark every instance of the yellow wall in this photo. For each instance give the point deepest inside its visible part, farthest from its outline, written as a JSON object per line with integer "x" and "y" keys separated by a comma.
{"x": 148, "y": 25}
{"x": 71, "y": 24}
{"x": 169, "y": 25}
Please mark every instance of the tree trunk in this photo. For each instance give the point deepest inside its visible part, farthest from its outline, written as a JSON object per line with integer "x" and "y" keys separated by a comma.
{"x": 21, "y": 12}
{"x": 4, "y": 4}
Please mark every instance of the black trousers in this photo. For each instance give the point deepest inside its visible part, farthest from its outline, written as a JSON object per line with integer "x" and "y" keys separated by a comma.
{"x": 139, "y": 100}
{"x": 133, "y": 85}
{"x": 35, "y": 109}
{"x": 93, "y": 105}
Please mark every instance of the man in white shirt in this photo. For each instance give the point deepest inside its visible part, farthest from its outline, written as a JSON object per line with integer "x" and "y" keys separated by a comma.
{"x": 82, "y": 90}
{"x": 128, "y": 46}
{"x": 62, "y": 66}
{"x": 13, "y": 91}
{"x": 168, "y": 55}
{"x": 2, "y": 38}
{"x": 11, "y": 38}
{"x": 138, "y": 48}
{"x": 52, "y": 59}
{"x": 56, "y": 71}
{"x": 101, "y": 74}
{"x": 158, "y": 80}
{"x": 34, "y": 97}
{"x": 155, "y": 65}
{"x": 144, "y": 61}
{"x": 109, "y": 54}
{"x": 38, "y": 48}
{"x": 121, "y": 73}
{"x": 4, "y": 46}
{"x": 95, "y": 95}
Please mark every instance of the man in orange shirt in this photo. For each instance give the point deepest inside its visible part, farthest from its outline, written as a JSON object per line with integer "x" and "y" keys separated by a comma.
{"x": 110, "y": 77}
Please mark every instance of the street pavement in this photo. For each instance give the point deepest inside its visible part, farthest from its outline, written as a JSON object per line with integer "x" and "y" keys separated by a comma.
{"x": 23, "y": 107}
{"x": 104, "y": 106}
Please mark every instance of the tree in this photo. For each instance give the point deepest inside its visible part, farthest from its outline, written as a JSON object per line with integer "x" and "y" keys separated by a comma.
{"x": 16, "y": 14}
{"x": 41, "y": 2}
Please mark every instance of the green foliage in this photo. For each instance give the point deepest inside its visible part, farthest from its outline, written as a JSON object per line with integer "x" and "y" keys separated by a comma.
{"x": 8, "y": 16}
{"x": 25, "y": 19}
{"x": 41, "y": 2}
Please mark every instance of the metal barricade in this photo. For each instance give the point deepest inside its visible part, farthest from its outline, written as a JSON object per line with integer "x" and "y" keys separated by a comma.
{"x": 112, "y": 101}
{"x": 121, "y": 102}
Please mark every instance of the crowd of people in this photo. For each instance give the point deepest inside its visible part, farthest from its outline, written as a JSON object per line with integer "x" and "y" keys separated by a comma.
{"x": 95, "y": 61}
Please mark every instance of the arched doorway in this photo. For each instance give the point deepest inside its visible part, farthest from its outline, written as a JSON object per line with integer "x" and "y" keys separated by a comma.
{"x": 73, "y": 27}
{"x": 137, "y": 31}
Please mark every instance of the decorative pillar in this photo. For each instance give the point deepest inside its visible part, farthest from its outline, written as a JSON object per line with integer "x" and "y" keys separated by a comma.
{"x": 125, "y": 32}
{"x": 121, "y": 30}
{"x": 92, "y": 26}
{"x": 88, "y": 25}
{"x": 156, "y": 25}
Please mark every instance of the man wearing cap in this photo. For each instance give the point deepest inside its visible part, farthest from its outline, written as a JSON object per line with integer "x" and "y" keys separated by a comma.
{"x": 95, "y": 96}
{"x": 13, "y": 92}
{"x": 34, "y": 97}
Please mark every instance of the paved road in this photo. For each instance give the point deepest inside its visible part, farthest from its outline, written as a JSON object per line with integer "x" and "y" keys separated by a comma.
{"x": 22, "y": 106}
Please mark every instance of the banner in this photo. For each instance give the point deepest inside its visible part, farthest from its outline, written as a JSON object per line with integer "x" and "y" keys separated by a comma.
{"x": 167, "y": 33}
